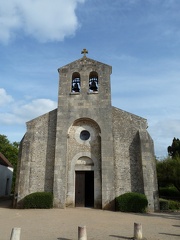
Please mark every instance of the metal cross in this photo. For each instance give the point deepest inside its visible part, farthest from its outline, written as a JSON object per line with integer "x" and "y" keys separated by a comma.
{"x": 84, "y": 51}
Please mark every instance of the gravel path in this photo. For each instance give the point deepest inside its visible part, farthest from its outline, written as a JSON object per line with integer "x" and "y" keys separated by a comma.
{"x": 62, "y": 224}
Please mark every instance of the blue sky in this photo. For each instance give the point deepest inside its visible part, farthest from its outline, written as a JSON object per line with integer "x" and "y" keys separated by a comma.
{"x": 140, "y": 39}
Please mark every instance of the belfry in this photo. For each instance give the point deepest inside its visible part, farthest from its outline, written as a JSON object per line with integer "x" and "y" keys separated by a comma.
{"x": 86, "y": 152}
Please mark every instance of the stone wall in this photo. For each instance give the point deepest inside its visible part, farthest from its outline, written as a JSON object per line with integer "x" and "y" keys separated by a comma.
{"x": 135, "y": 169}
{"x": 120, "y": 151}
{"x": 149, "y": 170}
{"x": 128, "y": 167}
{"x": 36, "y": 159}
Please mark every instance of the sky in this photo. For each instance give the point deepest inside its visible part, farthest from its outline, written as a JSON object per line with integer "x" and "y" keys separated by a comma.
{"x": 140, "y": 39}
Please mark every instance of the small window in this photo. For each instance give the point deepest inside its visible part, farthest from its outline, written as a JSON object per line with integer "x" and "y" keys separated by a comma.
{"x": 84, "y": 135}
{"x": 93, "y": 82}
{"x": 76, "y": 82}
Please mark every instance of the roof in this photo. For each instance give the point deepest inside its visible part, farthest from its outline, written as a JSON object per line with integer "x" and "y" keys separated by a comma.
{"x": 4, "y": 161}
{"x": 85, "y": 61}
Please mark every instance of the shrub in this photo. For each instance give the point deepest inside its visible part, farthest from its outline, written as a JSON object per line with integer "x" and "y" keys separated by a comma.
{"x": 38, "y": 200}
{"x": 163, "y": 204}
{"x": 174, "y": 205}
{"x": 166, "y": 205}
{"x": 170, "y": 192}
{"x": 131, "y": 202}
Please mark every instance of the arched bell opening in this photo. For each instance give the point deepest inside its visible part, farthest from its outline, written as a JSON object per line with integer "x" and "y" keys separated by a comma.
{"x": 93, "y": 81}
{"x": 76, "y": 82}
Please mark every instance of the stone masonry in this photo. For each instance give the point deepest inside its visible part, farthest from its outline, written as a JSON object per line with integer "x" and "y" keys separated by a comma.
{"x": 86, "y": 138}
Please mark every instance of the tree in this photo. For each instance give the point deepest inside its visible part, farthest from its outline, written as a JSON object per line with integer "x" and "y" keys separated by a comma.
{"x": 174, "y": 149}
{"x": 168, "y": 172}
{"x": 10, "y": 151}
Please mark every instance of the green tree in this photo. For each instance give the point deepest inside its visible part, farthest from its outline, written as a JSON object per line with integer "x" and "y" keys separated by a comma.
{"x": 168, "y": 172}
{"x": 174, "y": 149}
{"x": 10, "y": 151}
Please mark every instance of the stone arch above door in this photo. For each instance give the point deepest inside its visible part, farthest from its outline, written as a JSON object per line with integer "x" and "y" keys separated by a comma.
{"x": 84, "y": 154}
{"x": 84, "y": 125}
{"x": 85, "y": 160}
{"x": 84, "y": 135}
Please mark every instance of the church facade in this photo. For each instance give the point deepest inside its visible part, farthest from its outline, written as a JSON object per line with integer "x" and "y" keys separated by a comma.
{"x": 86, "y": 152}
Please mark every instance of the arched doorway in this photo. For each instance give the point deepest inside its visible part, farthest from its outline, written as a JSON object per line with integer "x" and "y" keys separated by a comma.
{"x": 84, "y": 188}
{"x": 84, "y": 182}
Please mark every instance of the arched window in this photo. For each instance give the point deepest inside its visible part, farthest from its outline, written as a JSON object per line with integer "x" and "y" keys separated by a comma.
{"x": 76, "y": 82}
{"x": 93, "y": 82}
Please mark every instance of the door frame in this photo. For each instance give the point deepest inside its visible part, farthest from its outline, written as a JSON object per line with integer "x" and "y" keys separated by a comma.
{"x": 73, "y": 167}
{"x": 84, "y": 188}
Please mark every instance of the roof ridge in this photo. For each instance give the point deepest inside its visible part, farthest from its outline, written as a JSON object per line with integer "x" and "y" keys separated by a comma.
{"x": 4, "y": 161}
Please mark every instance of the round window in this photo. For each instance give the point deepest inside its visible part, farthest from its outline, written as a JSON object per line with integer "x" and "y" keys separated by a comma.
{"x": 84, "y": 135}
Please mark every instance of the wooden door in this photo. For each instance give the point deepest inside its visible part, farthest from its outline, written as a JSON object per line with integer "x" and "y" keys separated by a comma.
{"x": 89, "y": 189}
{"x": 84, "y": 189}
{"x": 80, "y": 189}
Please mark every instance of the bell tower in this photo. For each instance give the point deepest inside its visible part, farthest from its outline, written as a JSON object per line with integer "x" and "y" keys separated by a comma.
{"x": 86, "y": 152}
{"x": 84, "y": 138}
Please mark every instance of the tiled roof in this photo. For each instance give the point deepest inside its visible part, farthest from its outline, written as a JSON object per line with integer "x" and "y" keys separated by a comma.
{"x": 4, "y": 161}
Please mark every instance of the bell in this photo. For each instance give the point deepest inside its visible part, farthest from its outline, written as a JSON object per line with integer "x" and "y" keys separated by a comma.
{"x": 93, "y": 86}
{"x": 75, "y": 88}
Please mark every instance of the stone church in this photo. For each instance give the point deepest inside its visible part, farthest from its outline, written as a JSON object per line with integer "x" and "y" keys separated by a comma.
{"x": 86, "y": 152}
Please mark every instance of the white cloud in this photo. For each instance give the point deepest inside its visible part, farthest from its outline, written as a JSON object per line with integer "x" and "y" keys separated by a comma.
{"x": 23, "y": 112}
{"x": 44, "y": 20}
{"x": 9, "y": 118}
{"x": 4, "y": 97}
{"x": 34, "y": 108}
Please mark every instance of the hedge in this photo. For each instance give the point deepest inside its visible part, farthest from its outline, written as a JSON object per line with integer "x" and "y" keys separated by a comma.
{"x": 38, "y": 200}
{"x": 174, "y": 205}
{"x": 163, "y": 204}
{"x": 169, "y": 193}
{"x": 131, "y": 202}
{"x": 166, "y": 205}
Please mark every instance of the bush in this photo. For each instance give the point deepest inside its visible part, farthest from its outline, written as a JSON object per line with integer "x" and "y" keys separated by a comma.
{"x": 131, "y": 202}
{"x": 163, "y": 204}
{"x": 174, "y": 205}
{"x": 169, "y": 192}
{"x": 166, "y": 205}
{"x": 38, "y": 200}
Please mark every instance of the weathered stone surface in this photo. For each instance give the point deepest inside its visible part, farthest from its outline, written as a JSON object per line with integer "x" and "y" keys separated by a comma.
{"x": 118, "y": 148}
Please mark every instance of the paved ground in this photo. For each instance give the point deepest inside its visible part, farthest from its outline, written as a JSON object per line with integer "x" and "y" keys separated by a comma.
{"x": 59, "y": 224}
